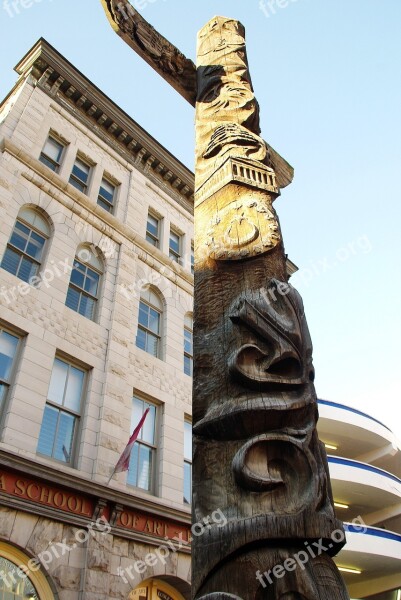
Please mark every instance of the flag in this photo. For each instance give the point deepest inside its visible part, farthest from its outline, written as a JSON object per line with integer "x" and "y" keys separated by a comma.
{"x": 123, "y": 461}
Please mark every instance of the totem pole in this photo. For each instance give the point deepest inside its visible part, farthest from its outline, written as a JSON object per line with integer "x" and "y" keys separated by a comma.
{"x": 257, "y": 456}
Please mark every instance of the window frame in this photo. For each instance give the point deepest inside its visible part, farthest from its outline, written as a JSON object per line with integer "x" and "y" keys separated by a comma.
{"x": 55, "y": 138}
{"x": 114, "y": 185}
{"x": 22, "y": 253}
{"x": 8, "y": 384}
{"x": 188, "y": 461}
{"x": 24, "y": 562}
{"x": 173, "y": 254}
{"x": 149, "y": 332}
{"x": 82, "y": 291}
{"x": 156, "y": 239}
{"x": 78, "y": 416}
{"x": 75, "y": 178}
{"x": 192, "y": 258}
{"x": 154, "y": 448}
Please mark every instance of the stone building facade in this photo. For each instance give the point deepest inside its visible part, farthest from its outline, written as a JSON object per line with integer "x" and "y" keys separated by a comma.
{"x": 96, "y": 300}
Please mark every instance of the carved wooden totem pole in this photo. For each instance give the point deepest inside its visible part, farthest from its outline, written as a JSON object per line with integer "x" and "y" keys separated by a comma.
{"x": 257, "y": 456}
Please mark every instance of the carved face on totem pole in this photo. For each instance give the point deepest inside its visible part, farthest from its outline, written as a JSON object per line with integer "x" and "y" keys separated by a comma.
{"x": 257, "y": 456}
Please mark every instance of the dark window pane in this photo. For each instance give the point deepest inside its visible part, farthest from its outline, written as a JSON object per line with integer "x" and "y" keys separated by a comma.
{"x": 20, "y": 235}
{"x": 152, "y": 240}
{"x": 132, "y": 478}
{"x": 11, "y": 261}
{"x": 80, "y": 186}
{"x": 27, "y": 269}
{"x": 3, "y": 392}
{"x": 8, "y": 349}
{"x": 81, "y": 171}
{"x": 154, "y": 321}
{"x": 49, "y": 163}
{"x": 153, "y": 227}
{"x": 92, "y": 282}
{"x": 152, "y": 344}
{"x": 107, "y": 191}
{"x": 87, "y": 306}
{"x": 175, "y": 242}
{"x": 72, "y": 300}
{"x": 48, "y": 431}
{"x": 65, "y": 435}
{"x": 104, "y": 205}
{"x": 187, "y": 341}
{"x": 143, "y": 316}
{"x": 187, "y": 483}
{"x": 187, "y": 365}
{"x": 144, "y": 467}
{"x": 78, "y": 274}
{"x": 141, "y": 339}
{"x": 35, "y": 246}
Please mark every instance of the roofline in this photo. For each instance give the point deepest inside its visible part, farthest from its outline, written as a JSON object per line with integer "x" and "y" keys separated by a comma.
{"x": 43, "y": 49}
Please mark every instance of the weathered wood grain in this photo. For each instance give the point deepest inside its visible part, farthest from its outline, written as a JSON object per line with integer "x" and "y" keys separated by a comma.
{"x": 257, "y": 457}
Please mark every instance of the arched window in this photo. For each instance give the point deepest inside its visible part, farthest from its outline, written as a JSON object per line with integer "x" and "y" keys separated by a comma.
{"x": 20, "y": 578}
{"x": 188, "y": 345}
{"x": 25, "y": 249}
{"x": 83, "y": 291}
{"x": 150, "y": 322}
{"x": 154, "y": 589}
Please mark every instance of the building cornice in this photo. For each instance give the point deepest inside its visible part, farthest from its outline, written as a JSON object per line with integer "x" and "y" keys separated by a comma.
{"x": 61, "y": 80}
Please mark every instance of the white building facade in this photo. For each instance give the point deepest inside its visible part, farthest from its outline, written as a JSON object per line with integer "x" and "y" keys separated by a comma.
{"x": 96, "y": 300}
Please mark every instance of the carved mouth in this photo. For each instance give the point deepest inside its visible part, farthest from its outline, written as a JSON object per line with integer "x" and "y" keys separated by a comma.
{"x": 238, "y": 418}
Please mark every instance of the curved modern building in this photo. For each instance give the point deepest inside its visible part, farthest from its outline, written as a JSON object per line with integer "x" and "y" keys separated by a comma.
{"x": 365, "y": 465}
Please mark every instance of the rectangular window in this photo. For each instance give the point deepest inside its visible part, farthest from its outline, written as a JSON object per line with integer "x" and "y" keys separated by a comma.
{"x": 175, "y": 246}
{"x": 192, "y": 259}
{"x": 143, "y": 457}
{"x": 79, "y": 177}
{"x": 187, "y": 462}
{"x": 62, "y": 412}
{"x": 52, "y": 153}
{"x": 153, "y": 231}
{"x": 106, "y": 195}
{"x": 8, "y": 352}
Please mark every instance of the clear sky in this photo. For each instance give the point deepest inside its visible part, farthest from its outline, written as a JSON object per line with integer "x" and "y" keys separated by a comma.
{"x": 327, "y": 76}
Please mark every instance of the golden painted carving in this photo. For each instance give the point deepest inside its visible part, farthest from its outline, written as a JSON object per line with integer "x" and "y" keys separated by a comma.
{"x": 231, "y": 157}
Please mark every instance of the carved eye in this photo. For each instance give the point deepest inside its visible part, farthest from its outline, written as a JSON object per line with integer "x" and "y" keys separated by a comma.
{"x": 211, "y": 93}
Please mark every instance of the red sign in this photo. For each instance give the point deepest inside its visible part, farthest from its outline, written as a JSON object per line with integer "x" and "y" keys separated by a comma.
{"x": 37, "y": 492}
{"x": 161, "y": 528}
